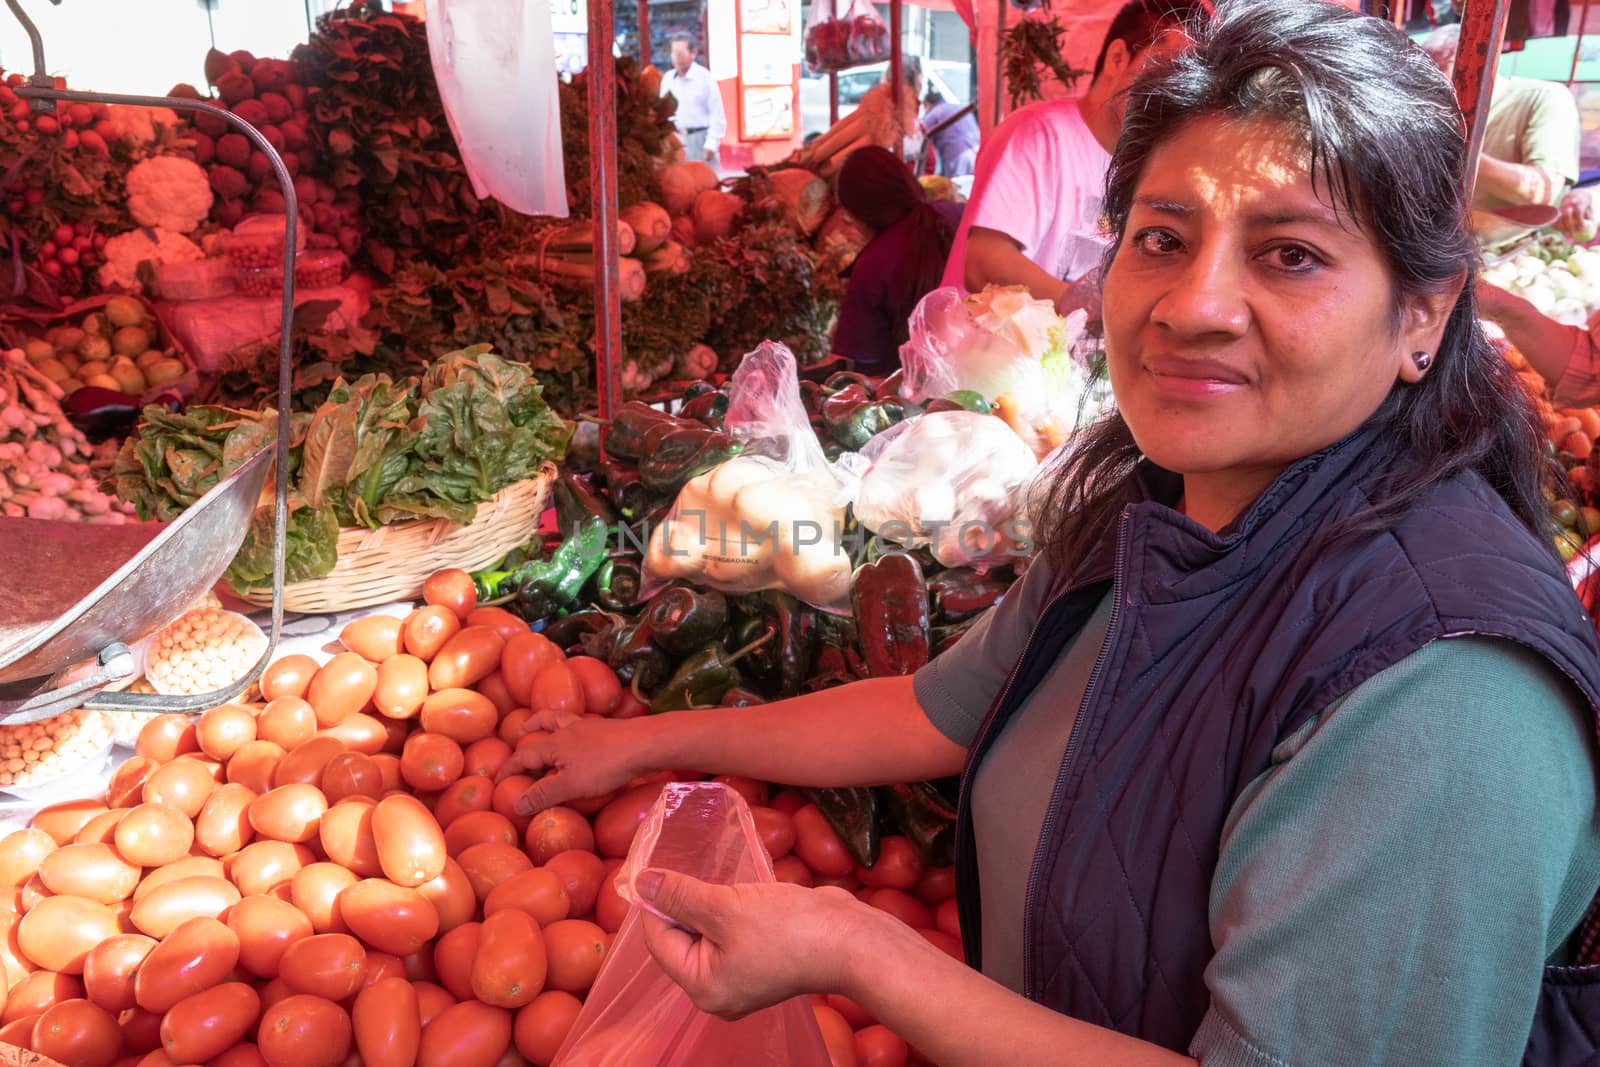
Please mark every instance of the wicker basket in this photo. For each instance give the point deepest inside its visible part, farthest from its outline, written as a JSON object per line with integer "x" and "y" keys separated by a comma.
{"x": 390, "y": 563}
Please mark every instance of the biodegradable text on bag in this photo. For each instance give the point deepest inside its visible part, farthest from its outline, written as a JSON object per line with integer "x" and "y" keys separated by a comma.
{"x": 497, "y": 78}
{"x": 635, "y": 1014}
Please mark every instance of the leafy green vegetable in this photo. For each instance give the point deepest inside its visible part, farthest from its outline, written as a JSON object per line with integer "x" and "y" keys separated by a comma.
{"x": 175, "y": 459}
{"x": 313, "y": 547}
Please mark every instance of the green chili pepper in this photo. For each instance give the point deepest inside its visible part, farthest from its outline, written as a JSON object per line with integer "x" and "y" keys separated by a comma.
{"x": 708, "y": 409}
{"x": 684, "y": 454}
{"x": 616, "y": 585}
{"x": 550, "y": 585}
{"x": 577, "y": 500}
{"x": 852, "y": 811}
{"x": 890, "y": 602}
{"x": 970, "y": 400}
{"x": 635, "y": 657}
{"x": 703, "y": 679}
{"x": 698, "y": 388}
{"x": 683, "y": 619}
{"x": 842, "y": 380}
{"x": 840, "y": 406}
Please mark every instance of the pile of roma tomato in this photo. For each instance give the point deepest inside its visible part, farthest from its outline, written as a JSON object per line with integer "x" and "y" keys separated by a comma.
{"x": 332, "y": 877}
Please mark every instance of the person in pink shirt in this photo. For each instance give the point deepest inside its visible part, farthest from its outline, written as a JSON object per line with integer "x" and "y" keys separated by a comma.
{"x": 1034, "y": 215}
{"x": 1566, "y": 357}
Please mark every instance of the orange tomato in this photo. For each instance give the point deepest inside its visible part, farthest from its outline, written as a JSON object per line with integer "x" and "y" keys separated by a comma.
{"x": 507, "y": 792}
{"x": 12, "y": 958}
{"x": 127, "y": 781}
{"x": 38, "y": 991}
{"x": 898, "y": 866}
{"x": 609, "y": 907}
{"x": 195, "y": 956}
{"x": 776, "y": 831}
{"x": 451, "y": 896}
{"x": 879, "y": 1046}
{"x": 255, "y": 764}
{"x": 351, "y": 774}
{"x": 478, "y": 828}
{"x": 430, "y": 761}
{"x": 289, "y": 676}
{"x": 161, "y": 910}
{"x": 410, "y": 844}
{"x": 462, "y": 797}
{"x": 576, "y": 950}
{"x": 346, "y": 835}
{"x": 494, "y": 687}
{"x": 602, "y": 692}
{"x": 619, "y": 821}
{"x": 245, "y": 1055}
{"x": 468, "y": 657}
{"x": 184, "y": 784}
{"x": 365, "y": 734}
{"x": 427, "y": 629}
{"x": 388, "y": 1023}
{"x": 304, "y": 764}
{"x": 402, "y": 686}
{"x": 389, "y": 768}
{"x": 258, "y": 867}
{"x": 315, "y": 890}
{"x": 902, "y": 905}
{"x": 188, "y": 867}
{"x": 816, "y": 843}
{"x": 341, "y": 688}
{"x": 304, "y": 1031}
{"x": 287, "y": 721}
{"x": 468, "y": 1034}
{"x": 836, "y": 1036}
{"x": 485, "y": 756}
{"x": 582, "y": 872}
{"x": 19, "y": 1032}
{"x": 451, "y": 588}
{"x": 166, "y": 737}
{"x": 94, "y": 872}
{"x": 221, "y": 730}
{"x": 489, "y": 865}
{"x": 499, "y": 620}
{"x": 938, "y": 885}
{"x": 223, "y": 825}
{"x": 557, "y": 830}
{"x": 206, "y": 1024}
{"x": 78, "y": 1033}
{"x": 556, "y": 688}
{"x": 523, "y": 658}
{"x": 462, "y": 715}
{"x": 266, "y": 927}
{"x": 541, "y": 893}
{"x": 141, "y": 1031}
{"x": 389, "y": 917}
{"x": 111, "y": 970}
{"x": 57, "y": 934}
{"x": 63, "y": 821}
{"x": 288, "y": 813}
{"x": 544, "y": 1024}
{"x": 101, "y": 830}
{"x": 21, "y": 853}
{"x": 374, "y": 637}
{"x": 324, "y": 965}
{"x": 509, "y": 968}
{"x": 452, "y": 958}
{"x": 512, "y": 725}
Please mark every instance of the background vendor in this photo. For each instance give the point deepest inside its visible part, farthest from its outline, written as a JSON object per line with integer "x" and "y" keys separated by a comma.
{"x": 1034, "y": 215}
{"x": 700, "y": 119}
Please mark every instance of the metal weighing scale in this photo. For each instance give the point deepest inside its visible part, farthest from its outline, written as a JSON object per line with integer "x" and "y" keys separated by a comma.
{"x": 81, "y": 594}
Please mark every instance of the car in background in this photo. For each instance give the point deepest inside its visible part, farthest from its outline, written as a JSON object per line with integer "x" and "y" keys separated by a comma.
{"x": 952, "y": 79}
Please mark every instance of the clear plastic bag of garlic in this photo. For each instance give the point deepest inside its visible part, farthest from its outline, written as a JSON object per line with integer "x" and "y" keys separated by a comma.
{"x": 203, "y": 650}
{"x": 38, "y": 752}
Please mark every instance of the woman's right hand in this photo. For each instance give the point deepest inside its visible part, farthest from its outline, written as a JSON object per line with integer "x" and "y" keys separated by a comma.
{"x": 581, "y": 756}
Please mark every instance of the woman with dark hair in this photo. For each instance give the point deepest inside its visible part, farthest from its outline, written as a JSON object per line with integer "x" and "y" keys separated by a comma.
{"x": 1282, "y": 750}
{"x": 898, "y": 267}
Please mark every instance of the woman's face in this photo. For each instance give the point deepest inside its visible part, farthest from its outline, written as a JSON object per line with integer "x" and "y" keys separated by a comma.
{"x": 1247, "y": 326}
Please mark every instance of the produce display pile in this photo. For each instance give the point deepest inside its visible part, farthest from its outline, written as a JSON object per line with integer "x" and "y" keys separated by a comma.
{"x": 48, "y": 468}
{"x": 115, "y": 347}
{"x": 336, "y": 873}
{"x": 1559, "y": 278}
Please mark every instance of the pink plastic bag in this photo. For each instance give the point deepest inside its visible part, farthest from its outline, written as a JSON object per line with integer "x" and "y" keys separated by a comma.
{"x": 635, "y": 1015}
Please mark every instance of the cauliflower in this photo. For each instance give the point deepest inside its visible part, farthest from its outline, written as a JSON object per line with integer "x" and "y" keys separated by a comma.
{"x": 126, "y": 251}
{"x": 137, "y": 125}
{"x": 169, "y": 193}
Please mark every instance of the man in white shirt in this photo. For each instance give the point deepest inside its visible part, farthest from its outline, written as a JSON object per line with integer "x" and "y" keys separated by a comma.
{"x": 1034, "y": 215}
{"x": 699, "y": 117}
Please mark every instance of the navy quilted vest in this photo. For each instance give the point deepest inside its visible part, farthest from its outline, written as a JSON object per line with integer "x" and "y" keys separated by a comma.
{"x": 1219, "y": 647}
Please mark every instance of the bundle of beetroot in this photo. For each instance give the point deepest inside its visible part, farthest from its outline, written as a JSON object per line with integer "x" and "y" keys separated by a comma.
{"x": 269, "y": 94}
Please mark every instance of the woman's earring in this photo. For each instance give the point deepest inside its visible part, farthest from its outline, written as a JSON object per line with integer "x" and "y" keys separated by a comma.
{"x": 1422, "y": 360}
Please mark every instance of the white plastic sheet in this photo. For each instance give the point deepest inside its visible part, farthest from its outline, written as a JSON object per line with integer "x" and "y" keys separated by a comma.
{"x": 496, "y": 71}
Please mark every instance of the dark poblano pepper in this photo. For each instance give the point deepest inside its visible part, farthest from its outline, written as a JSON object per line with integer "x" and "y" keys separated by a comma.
{"x": 581, "y": 629}
{"x": 961, "y": 593}
{"x": 617, "y": 584}
{"x": 842, "y": 380}
{"x": 683, "y": 619}
{"x": 852, "y": 811}
{"x": 684, "y": 454}
{"x": 698, "y": 388}
{"x": 636, "y": 658}
{"x": 740, "y": 697}
{"x": 786, "y": 661}
{"x": 625, "y": 437}
{"x": 708, "y": 409}
{"x": 703, "y": 679}
{"x": 576, "y": 500}
{"x": 890, "y": 602}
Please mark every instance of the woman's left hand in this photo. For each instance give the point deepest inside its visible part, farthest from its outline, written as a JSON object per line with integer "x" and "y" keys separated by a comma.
{"x": 748, "y": 946}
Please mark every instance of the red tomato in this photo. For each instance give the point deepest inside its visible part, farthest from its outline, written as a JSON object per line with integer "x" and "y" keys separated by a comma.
{"x": 836, "y": 1036}
{"x": 791, "y": 869}
{"x": 937, "y": 886}
{"x": 541, "y": 893}
{"x": 543, "y": 1025}
{"x": 223, "y": 826}
{"x": 467, "y": 658}
{"x": 127, "y": 782}
{"x": 410, "y": 844}
{"x": 489, "y": 865}
{"x": 288, "y": 813}
{"x": 576, "y": 949}
{"x": 389, "y": 917}
{"x": 776, "y": 831}
{"x": 479, "y": 828}
{"x": 387, "y": 1023}
{"x": 304, "y": 1031}
{"x": 431, "y": 761}
{"x": 427, "y": 629}
{"x": 342, "y": 688}
{"x": 451, "y": 588}
{"x": 362, "y": 733}
{"x": 304, "y": 763}
{"x": 788, "y": 802}
{"x": 630, "y": 707}
{"x": 616, "y": 825}
{"x": 511, "y": 726}
{"x": 195, "y": 956}
{"x": 817, "y": 844}
{"x": 853, "y": 1013}
{"x": 509, "y": 968}
{"x": 289, "y": 676}
{"x": 58, "y": 933}
{"x": 206, "y": 1025}
{"x": 141, "y": 1031}
{"x": 254, "y": 765}
{"x": 462, "y": 715}
{"x": 755, "y": 793}
{"x": 494, "y": 687}
{"x": 221, "y": 730}
{"x": 602, "y": 692}
{"x": 166, "y": 737}
{"x": 582, "y": 872}
{"x": 468, "y": 1034}
{"x": 78, "y": 1033}
{"x": 609, "y": 907}
{"x": 266, "y": 927}
{"x": 898, "y": 866}
{"x": 463, "y": 796}
{"x": 452, "y": 958}
{"x": 524, "y": 657}
{"x": 485, "y": 756}
{"x": 287, "y": 722}
{"x": 432, "y": 999}
{"x": 38, "y": 991}
{"x": 451, "y": 895}
{"x": 351, "y": 774}
{"x": 112, "y": 968}
{"x": 556, "y": 688}
{"x": 557, "y": 830}
{"x": 324, "y": 965}
{"x": 879, "y": 1046}
{"x": 499, "y": 620}
{"x": 947, "y": 917}
{"x": 346, "y": 836}
{"x": 315, "y": 890}
{"x": 507, "y": 792}
{"x": 94, "y": 872}
{"x": 903, "y": 906}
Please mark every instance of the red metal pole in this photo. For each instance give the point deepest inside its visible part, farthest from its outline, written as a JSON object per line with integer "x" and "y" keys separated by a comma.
{"x": 602, "y": 86}
{"x": 644, "y": 33}
{"x": 1483, "y": 26}
{"x": 896, "y": 58}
